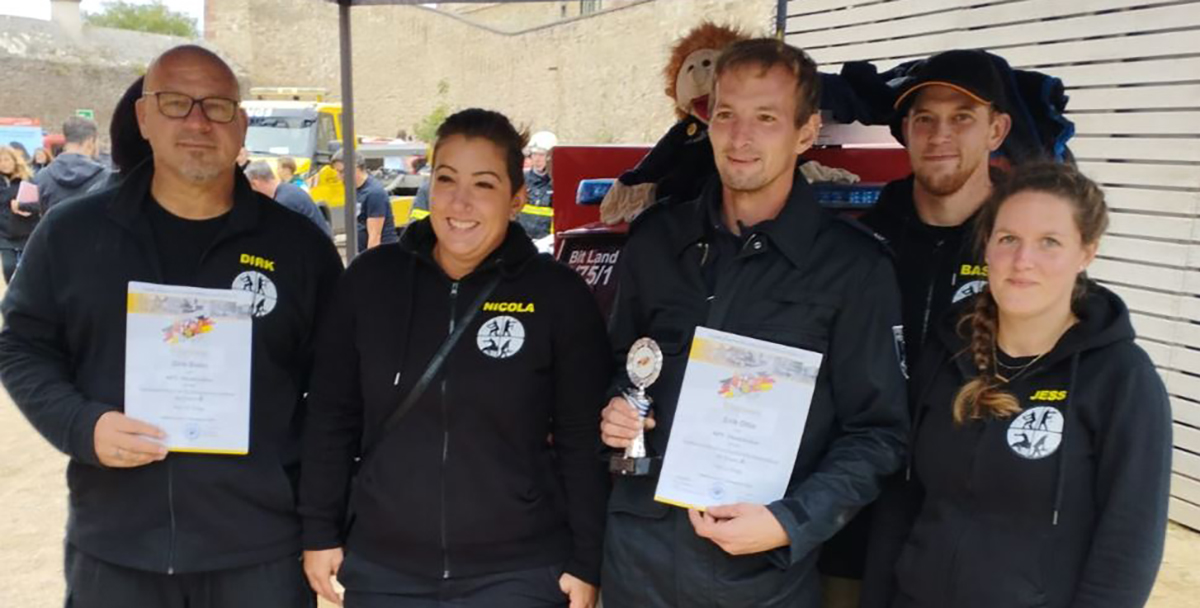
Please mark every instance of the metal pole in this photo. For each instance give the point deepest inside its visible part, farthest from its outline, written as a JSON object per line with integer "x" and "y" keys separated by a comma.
{"x": 781, "y": 19}
{"x": 348, "y": 140}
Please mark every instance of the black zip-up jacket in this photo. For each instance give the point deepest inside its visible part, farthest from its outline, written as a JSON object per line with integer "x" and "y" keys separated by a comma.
{"x": 1061, "y": 505}
{"x": 936, "y": 266}
{"x": 804, "y": 279}
{"x": 14, "y": 229}
{"x": 467, "y": 483}
{"x": 62, "y": 358}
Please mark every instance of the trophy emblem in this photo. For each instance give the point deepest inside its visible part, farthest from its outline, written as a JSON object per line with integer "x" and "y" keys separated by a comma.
{"x": 643, "y": 365}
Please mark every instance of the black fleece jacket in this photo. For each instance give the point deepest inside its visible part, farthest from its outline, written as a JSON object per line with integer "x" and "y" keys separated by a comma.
{"x": 1063, "y": 504}
{"x": 803, "y": 279}
{"x": 62, "y": 358}
{"x": 469, "y": 482}
{"x": 935, "y": 266}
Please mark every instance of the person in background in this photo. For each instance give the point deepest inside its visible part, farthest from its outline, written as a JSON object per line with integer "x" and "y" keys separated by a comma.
{"x": 538, "y": 215}
{"x": 263, "y": 180}
{"x": 16, "y": 224}
{"x": 41, "y": 158}
{"x": 1040, "y": 465}
{"x": 376, "y": 225}
{"x": 74, "y": 171}
{"x": 287, "y": 172}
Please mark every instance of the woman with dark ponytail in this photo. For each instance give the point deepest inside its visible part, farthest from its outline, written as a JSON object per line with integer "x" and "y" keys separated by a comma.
{"x": 1040, "y": 460}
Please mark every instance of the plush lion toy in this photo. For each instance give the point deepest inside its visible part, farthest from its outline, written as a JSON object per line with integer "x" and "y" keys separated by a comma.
{"x": 682, "y": 160}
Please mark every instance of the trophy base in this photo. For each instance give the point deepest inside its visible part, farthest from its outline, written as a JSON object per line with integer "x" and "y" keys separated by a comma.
{"x": 631, "y": 467}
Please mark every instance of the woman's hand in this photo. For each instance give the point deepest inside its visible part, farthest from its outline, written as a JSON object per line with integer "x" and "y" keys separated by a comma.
{"x": 320, "y": 567}
{"x": 16, "y": 208}
{"x": 581, "y": 594}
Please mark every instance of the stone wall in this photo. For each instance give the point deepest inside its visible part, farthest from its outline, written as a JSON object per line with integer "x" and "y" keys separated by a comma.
{"x": 591, "y": 79}
{"x": 51, "y": 92}
{"x": 53, "y": 68}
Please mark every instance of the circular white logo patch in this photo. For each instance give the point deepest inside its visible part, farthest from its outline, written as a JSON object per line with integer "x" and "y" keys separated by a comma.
{"x": 1036, "y": 432}
{"x": 501, "y": 337}
{"x": 968, "y": 289}
{"x": 263, "y": 289}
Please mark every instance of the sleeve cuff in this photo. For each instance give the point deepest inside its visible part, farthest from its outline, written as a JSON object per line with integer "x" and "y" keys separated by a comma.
{"x": 81, "y": 445}
{"x": 319, "y": 534}
{"x": 784, "y": 557}
{"x": 583, "y": 570}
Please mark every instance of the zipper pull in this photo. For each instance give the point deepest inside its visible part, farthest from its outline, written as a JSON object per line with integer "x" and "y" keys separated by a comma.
{"x": 396, "y": 382}
{"x": 454, "y": 289}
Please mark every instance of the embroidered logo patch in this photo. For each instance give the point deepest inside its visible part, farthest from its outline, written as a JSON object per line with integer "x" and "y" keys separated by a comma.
{"x": 968, "y": 289}
{"x": 1036, "y": 432}
{"x": 501, "y": 337}
{"x": 263, "y": 289}
{"x": 901, "y": 355}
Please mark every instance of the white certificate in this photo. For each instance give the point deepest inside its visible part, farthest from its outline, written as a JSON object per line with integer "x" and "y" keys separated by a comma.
{"x": 738, "y": 424}
{"x": 187, "y": 365}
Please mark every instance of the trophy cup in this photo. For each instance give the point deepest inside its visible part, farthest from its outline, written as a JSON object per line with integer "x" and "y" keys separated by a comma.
{"x": 643, "y": 365}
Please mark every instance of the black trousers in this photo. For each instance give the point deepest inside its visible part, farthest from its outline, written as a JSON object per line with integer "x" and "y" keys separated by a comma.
{"x": 661, "y": 563}
{"x": 370, "y": 585}
{"x": 92, "y": 583}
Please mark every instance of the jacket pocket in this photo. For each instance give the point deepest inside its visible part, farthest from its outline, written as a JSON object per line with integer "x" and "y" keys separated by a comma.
{"x": 793, "y": 318}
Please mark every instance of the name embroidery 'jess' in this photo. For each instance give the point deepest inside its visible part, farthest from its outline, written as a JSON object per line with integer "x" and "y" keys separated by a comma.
{"x": 1036, "y": 432}
{"x": 1046, "y": 395}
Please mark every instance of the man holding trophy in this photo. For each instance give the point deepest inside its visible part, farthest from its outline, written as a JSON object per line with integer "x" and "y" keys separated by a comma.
{"x": 761, "y": 343}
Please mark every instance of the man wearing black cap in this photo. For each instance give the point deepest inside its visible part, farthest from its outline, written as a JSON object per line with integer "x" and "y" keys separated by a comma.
{"x": 953, "y": 116}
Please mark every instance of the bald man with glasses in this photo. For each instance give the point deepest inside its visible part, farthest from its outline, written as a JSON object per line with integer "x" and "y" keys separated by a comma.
{"x": 147, "y": 527}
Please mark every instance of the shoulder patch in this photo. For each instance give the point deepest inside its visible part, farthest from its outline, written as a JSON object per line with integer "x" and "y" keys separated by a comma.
{"x": 865, "y": 230}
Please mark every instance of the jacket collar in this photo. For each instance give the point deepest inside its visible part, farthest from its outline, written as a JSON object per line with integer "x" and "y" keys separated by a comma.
{"x": 126, "y": 208}
{"x": 792, "y": 232}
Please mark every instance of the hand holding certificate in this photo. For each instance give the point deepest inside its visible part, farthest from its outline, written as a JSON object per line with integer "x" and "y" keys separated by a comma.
{"x": 738, "y": 423}
{"x": 187, "y": 365}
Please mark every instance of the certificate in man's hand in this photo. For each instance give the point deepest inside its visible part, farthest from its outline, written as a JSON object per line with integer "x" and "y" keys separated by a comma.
{"x": 738, "y": 423}
{"x": 187, "y": 365}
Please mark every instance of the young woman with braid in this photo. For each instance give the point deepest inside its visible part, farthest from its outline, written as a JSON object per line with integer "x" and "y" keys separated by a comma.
{"x": 1041, "y": 451}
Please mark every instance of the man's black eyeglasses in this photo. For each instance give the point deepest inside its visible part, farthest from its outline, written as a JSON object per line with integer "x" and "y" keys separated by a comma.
{"x": 177, "y": 105}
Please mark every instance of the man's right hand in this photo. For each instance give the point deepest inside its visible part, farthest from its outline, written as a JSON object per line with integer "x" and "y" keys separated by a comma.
{"x": 320, "y": 567}
{"x": 620, "y": 423}
{"x": 121, "y": 441}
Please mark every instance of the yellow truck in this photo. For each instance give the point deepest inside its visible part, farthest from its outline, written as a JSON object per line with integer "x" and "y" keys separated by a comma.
{"x": 298, "y": 122}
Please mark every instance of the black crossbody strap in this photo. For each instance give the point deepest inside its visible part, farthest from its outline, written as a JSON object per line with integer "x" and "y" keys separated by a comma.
{"x": 435, "y": 365}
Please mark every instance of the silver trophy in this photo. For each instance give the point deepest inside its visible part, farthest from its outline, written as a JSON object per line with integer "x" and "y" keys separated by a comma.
{"x": 643, "y": 365}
